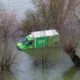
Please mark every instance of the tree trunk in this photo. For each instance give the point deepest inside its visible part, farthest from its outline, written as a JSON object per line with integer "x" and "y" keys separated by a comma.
{"x": 76, "y": 60}
{"x": 72, "y": 53}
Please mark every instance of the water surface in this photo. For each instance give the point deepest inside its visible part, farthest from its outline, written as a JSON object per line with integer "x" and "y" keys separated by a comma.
{"x": 42, "y": 64}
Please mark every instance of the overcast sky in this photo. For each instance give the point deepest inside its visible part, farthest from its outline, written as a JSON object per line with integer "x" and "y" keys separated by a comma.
{"x": 19, "y": 6}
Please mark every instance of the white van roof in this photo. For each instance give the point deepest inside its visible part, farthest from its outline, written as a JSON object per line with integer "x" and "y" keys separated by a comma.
{"x": 45, "y": 33}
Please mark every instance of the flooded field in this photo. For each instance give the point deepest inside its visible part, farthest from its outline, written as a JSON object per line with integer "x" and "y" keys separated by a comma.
{"x": 41, "y": 64}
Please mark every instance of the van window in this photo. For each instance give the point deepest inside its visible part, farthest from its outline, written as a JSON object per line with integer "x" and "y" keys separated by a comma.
{"x": 29, "y": 43}
{"x": 25, "y": 41}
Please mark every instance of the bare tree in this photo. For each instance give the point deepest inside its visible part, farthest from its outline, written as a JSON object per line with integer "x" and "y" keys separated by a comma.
{"x": 61, "y": 16}
{"x": 6, "y": 56}
{"x": 32, "y": 22}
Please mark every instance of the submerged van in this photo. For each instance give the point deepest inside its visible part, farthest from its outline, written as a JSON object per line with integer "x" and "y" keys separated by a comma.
{"x": 38, "y": 39}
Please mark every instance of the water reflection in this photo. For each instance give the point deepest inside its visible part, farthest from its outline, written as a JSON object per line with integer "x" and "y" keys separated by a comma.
{"x": 43, "y": 57}
{"x": 40, "y": 74}
{"x": 43, "y": 62}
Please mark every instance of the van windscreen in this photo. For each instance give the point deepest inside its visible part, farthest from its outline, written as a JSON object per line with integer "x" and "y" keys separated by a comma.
{"x": 25, "y": 41}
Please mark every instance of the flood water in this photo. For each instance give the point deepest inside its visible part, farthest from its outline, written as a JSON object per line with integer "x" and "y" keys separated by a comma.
{"x": 42, "y": 64}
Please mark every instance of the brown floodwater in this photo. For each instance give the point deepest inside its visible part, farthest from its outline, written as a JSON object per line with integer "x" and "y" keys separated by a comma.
{"x": 41, "y": 64}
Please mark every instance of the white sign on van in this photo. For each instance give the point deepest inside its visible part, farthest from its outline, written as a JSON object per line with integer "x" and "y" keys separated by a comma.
{"x": 41, "y": 42}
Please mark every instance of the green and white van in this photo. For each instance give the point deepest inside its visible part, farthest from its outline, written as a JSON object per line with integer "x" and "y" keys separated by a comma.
{"x": 38, "y": 39}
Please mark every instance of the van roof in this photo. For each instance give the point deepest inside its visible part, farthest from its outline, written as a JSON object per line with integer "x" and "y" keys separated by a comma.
{"x": 44, "y": 33}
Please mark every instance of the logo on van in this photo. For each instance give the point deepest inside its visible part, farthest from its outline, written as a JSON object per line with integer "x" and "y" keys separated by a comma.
{"x": 41, "y": 42}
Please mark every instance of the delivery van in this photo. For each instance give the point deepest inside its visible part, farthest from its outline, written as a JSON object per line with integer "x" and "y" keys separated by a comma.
{"x": 38, "y": 39}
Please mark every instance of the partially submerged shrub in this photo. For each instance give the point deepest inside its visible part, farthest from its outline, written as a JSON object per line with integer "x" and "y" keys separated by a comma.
{"x": 5, "y": 75}
{"x": 6, "y": 55}
{"x": 6, "y": 58}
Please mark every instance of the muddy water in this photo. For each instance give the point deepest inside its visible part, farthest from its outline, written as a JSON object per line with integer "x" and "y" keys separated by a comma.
{"x": 36, "y": 65}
